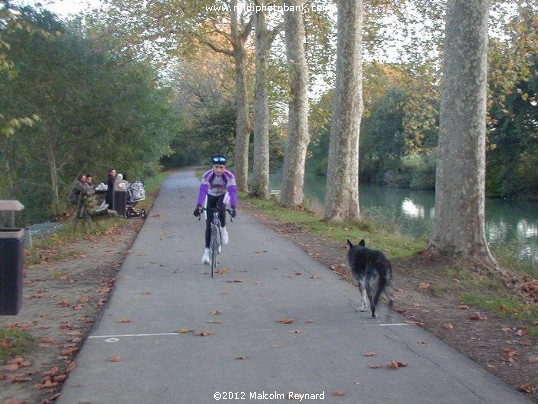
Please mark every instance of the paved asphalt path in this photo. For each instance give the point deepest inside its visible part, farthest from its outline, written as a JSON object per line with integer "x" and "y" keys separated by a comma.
{"x": 249, "y": 355}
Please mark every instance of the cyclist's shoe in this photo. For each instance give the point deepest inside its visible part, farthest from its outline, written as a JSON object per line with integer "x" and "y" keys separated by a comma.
{"x": 224, "y": 235}
{"x": 205, "y": 259}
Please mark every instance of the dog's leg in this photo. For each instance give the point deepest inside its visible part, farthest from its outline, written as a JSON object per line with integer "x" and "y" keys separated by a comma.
{"x": 372, "y": 300}
{"x": 372, "y": 303}
{"x": 372, "y": 308}
{"x": 363, "y": 305}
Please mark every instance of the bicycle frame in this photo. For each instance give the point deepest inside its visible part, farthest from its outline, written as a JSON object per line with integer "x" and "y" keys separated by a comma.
{"x": 215, "y": 240}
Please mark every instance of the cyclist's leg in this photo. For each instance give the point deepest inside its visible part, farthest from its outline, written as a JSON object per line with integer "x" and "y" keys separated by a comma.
{"x": 211, "y": 204}
{"x": 222, "y": 211}
{"x": 222, "y": 217}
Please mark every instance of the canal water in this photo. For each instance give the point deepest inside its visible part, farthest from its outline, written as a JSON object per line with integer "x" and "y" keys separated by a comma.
{"x": 512, "y": 225}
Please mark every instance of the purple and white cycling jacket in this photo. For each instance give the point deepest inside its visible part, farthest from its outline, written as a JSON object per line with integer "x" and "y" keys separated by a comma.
{"x": 217, "y": 185}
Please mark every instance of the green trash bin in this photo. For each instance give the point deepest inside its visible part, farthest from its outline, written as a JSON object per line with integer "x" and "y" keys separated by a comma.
{"x": 11, "y": 255}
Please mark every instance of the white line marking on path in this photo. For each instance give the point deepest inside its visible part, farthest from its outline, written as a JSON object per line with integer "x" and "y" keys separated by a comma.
{"x": 133, "y": 335}
{"x": 167, "y": 334}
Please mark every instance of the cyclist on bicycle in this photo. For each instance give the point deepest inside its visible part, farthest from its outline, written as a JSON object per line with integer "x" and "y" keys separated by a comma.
{"x": 217, "y": 188}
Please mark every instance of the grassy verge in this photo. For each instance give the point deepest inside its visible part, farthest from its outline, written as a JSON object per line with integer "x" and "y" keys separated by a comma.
{"x": 392, "y": 243}
{"x": 14, "y": 342}
{"x": 507, "y": 307}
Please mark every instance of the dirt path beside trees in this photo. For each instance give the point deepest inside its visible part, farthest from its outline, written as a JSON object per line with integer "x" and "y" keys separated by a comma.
{"x": 62, "y": 297}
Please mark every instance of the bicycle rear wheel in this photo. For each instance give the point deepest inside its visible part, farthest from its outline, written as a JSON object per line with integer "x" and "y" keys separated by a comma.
{"x": 214, "y": 246}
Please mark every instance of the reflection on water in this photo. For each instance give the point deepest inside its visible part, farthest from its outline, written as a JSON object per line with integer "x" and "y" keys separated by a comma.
{"x": 411, "y": 209}
{"x": 508, "y": 223}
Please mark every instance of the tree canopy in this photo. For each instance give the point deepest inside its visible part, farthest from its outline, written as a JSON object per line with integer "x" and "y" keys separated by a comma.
{"x": 97, "y": 109}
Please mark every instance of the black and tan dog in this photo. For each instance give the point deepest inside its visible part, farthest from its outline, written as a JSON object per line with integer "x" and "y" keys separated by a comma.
{"x": 372, "y": 270}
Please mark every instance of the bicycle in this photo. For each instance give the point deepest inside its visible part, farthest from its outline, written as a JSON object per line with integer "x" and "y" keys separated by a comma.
{"x": 215, "y": 244}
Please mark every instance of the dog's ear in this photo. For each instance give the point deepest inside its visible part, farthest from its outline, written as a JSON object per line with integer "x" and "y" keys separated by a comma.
{"x": 362, "y": 243}
{"x": 349, "y": 243}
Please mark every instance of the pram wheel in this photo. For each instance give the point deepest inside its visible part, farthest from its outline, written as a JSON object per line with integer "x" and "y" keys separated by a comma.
{"x": 143, "y": 213}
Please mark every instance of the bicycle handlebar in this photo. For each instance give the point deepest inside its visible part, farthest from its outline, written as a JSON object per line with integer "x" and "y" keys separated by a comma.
{"x": 216, "y": 209}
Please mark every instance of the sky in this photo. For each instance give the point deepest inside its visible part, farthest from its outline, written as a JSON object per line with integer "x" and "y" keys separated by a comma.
{"x": 63, "y": 8}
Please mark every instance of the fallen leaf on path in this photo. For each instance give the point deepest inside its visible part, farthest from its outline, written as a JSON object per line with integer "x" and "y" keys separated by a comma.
{"x": 424, "y": 286}
{"x": 521, "y": 332}
{"x": 6, "y": 343}
{"x": 477, "y": 316}
{"x": 46, "y": 385}
{"x": 510, "y": 355}
{"x": 369, "y": 354}
{"x": 396, "y": 364}
{"x": 71, "y": 367}
{"x": 60, "y": 378}
{"x": 26, "y": 325}
{"x": 527, "y": 388}
{"x": 285, "y": 321}
{"x": 114, "y": 359}
{"x": 69, "y": 351}
{"x": 184, "y": 330}
{"x": 375, "y": 366}
{"x": 52, "y": 371}
{"x": 123, "y": 320}
{"x": 202, "y": 333}
{"x": 448, "y": 326}
{"x": 463, "y": 307}
{"x": 85, "y": 299}
{"x": 506, "y": 329}
{"x": 242, "y": 357}
{"x": 236, "y": 281}
{"x": 11, "y": 368}
{"x": 338, "y": 393}
{"x": 534, "y": 359}
{"x": 64, "y": 303}
{"x": 19, "y": 362}
{"x": 222, "y": 271}
{"x": 19, "y": 379}
{"x": 215, "y": 312}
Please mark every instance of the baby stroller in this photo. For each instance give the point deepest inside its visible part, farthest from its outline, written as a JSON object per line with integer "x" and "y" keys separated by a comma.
{"x": 135, "y": 194}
